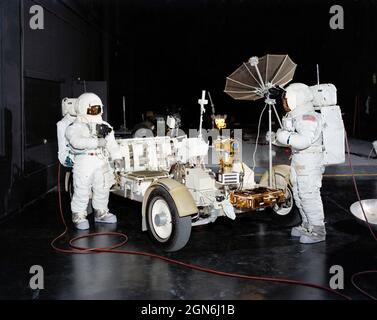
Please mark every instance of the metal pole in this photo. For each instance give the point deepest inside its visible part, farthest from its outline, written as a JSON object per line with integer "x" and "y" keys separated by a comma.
{"x": 213, "y": 110}
{"x": 124, "y": 112}
{"x": 277, "y": 116}
{"x": 270, "y": 146}
{"x": 201, "y": 122}
{"x": 202, "y": 102}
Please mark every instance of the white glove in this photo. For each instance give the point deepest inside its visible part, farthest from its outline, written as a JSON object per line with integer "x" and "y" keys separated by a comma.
{"x": 102, "y": 143}
{"x": 282, "y": 136}
{"x": 270, "y": 136}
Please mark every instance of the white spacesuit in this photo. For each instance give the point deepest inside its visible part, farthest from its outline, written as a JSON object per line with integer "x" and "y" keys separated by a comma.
{"x": 302, "y": 131}
{"x": 91, "y": 171}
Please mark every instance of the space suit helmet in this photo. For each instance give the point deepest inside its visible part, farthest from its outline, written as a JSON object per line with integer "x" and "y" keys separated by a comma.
{"x": 297, "y": 94}
{"x": 89, "y": 104}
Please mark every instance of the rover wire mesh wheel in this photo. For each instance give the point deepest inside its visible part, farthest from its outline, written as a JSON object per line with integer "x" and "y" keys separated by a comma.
{"x": 285, "y": 208}
{"x": 166, "y": 228}
{"x": 286, "y": 214}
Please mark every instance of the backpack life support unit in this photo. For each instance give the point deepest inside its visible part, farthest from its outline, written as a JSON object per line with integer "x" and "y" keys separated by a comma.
{"x": 333, "y": 133}
{"x": 69, "y": 116}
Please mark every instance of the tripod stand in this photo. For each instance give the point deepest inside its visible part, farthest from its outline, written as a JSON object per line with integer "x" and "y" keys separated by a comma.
{"x": 271, "y": 103}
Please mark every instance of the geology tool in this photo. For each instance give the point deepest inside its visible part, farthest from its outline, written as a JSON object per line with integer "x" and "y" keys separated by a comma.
{"x": 262, "y": 78}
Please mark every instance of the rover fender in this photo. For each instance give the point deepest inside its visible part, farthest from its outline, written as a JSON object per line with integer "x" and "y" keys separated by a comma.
{"x": 182, "y": 197}
{"x": 280, "y": 178}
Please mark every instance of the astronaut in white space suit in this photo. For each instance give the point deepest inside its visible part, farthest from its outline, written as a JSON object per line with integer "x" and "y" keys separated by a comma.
{"x": 302, "y": 131}
{"x": 92, "y": 143}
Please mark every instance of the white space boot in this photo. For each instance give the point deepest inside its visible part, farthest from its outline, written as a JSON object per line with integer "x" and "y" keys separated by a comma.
{"x": 104, "y": 216}
{"x": 80, "y": 221}
{"x": 315, "y": 234}
{"x": 300, "y": 230}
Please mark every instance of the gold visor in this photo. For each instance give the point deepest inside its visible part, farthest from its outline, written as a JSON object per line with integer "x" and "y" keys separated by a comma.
{"x": 94, "y": 110}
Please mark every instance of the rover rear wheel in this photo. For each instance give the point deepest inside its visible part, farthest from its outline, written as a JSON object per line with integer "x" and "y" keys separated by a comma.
{"x": 286, "y": 214}
{"x": 165, "y": 227}
{"x": 285, "y": 208}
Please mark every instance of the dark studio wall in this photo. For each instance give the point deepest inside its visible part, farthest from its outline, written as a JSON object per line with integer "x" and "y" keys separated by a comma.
{"x": 168, "y": 51}
{"x": 38, "y": 69}
{"x": 10, "y": 95}
{"x": 160, "y": 54}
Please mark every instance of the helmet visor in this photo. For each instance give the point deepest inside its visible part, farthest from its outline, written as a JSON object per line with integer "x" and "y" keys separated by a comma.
{"x": 94, "y": 110}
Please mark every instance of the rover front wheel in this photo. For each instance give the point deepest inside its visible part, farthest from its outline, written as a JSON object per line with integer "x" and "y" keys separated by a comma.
{"x": 165, "y": 227}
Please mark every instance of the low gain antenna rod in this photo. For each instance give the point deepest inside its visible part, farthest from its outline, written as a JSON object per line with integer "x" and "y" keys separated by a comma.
{"x": 202, "y": 102}
{"x": 213, "y": 110}
{"x": 124, "y": 112}
{"x": 317, "y": 74}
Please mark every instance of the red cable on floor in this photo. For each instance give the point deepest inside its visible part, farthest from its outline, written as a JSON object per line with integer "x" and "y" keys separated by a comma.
{"x": 113, "y": 249}
{"x": 357, "y": 287}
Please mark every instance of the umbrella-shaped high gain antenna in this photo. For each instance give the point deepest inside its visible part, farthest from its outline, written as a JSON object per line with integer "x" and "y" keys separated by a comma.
{"x": 262, "y": 78}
